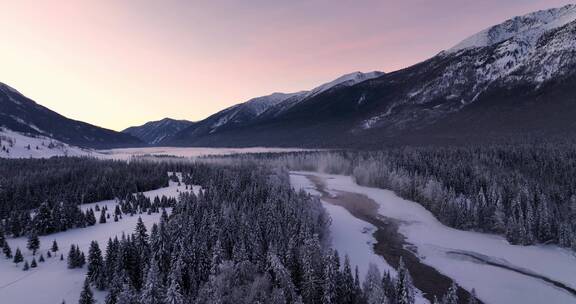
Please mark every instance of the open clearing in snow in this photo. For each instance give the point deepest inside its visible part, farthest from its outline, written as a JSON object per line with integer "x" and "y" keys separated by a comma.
{"x": 52, "y": 282}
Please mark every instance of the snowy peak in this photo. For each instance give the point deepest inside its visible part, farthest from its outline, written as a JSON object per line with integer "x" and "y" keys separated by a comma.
{"x": 345, "y": 80}
{"x": 263, "y": 103}
{"x": 154, "y": 132}
{"x": 527, "y": 29}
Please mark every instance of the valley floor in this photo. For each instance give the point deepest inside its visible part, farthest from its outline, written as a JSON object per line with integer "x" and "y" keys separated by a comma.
{"x": 498, "y": 271}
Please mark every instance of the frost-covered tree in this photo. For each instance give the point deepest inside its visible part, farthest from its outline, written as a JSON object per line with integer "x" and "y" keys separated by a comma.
{"x": 372, "y": 286}
{"x": 33, "y": 243}
{"x": 96, "y": 270}
{"x": 86, "y": 296}
{"x": 18, "y": 258}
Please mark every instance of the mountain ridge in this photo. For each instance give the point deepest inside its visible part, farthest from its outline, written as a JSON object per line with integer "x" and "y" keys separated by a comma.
{"x": 22, "y": 114}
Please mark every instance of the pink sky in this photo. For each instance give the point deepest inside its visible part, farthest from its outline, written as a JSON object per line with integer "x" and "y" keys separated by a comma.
{"x": 117, "y": 63}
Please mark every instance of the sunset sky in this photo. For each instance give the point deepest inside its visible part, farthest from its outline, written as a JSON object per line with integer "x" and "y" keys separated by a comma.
{"x": 117, "y": 63}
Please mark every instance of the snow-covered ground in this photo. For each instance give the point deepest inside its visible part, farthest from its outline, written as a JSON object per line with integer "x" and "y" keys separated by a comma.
{"x": 19, "y": 145}
{"x": 127, "y": 153}
{"x": 350, "y": 235}
{"x": 435, "y": 242}
{"x": 52, "y": 282}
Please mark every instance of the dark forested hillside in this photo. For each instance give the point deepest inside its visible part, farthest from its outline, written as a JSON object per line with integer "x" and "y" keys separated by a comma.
{"x": 57, "y": 183}
{"x": 523, "y": 191}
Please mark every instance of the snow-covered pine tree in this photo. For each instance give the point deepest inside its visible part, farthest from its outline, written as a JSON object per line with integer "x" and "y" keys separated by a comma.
{"x": 18, "y": 258}
{"x": 472, "y": 299}
{"x": 103, "y": 217}
{"x": 54, "y": 246}
{"x": 404, "y": 287}
{"x": 7, "y": 250}
{"x": 153, "y": 291}
{"x": 86, "y": 296}
{"x": 174, "y": 291}
{"x": 96, "y": 269}
{"x": 372, "y": 286}
{"x": 33, "y": 243}
{"x": 451, "y": 297}
{"x": 329, "y": 294}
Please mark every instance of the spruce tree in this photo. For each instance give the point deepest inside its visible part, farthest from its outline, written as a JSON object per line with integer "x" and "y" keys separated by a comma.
{"x": 404, "y": 287}
{"x": 2, "y": 236}
{"x": 329, "y": 294}
{"x": 54, "y": 246}
{"x": 33, "y": 264}
{"x": 41, "y": 259}
{"x": 18, "y": 258}
{"x": 73, "y": 257}
{"x": 174, "y": 291}
{"x": 103, "y": 217}
{"x": 152, "y": 291}
{"x": 33, "y": 242}
{"x": 26, "y": 266}
{"x": 86, "y": 296}
{"x": 472, "y": 299}
{"x": 7, "y": 250}
{"x": 96, "y": 271}
{"x": 451, "y": 297}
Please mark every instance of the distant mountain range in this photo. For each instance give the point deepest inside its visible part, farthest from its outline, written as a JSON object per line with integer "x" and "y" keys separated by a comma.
{"x": 513, "y": 79}
{"x": 21, "y": 114}
{"x": 154, "y": 132}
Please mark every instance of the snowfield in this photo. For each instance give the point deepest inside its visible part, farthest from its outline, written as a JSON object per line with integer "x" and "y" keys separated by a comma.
{"x": 127, "y": 153}
{"x": 16, "y": 145}
{"x": 52, "y": 282}
{"x": 449, "y": 251}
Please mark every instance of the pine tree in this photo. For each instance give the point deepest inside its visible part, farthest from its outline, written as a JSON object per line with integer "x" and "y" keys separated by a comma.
{"x": 472, "y": 298}
{"x": 26, "y": 266}
{"x": 2, "y": 236}
{"x": 54, "y": 246}
{"x": 372, "y": 287}
{"x": 103, "y": 217}
{"x": 174, "y": 291}
{"x": 33, "y": 242}
{"x": 152, "y": 291}
{"x": 34, "y": 264}
{"x": 216, "y": 259}
{"x": 96, "y": 271}
{"x": 86, "y": 296}
{"x": 346, "y": 292}
{"x": 329, "y": 294}
{"x": 18, "y": 258}
{"x": 127, "y": 295}
{"x": 41, "y": 260}
{"x": 451, "y": 297}
{"x": 7, "y": 250}
{"x": 404, "y": 287}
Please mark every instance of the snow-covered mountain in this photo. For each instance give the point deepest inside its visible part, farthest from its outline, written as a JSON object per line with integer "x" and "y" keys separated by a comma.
{"x": 515, "y": 78}
{"x": 19, "y": 145}
{"x": 259, "y": 108}
{"x": 154, "y": 132}
{"x": 21, "y": 114}
{"x": 527, "y": 29}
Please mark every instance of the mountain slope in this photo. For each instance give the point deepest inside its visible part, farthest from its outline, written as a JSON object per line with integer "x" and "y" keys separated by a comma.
{"x": 514, "y": 79}
{"x": 21, "y": 114}
{"x": 257, "y": 109}
{"x": 154, "y": 132}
